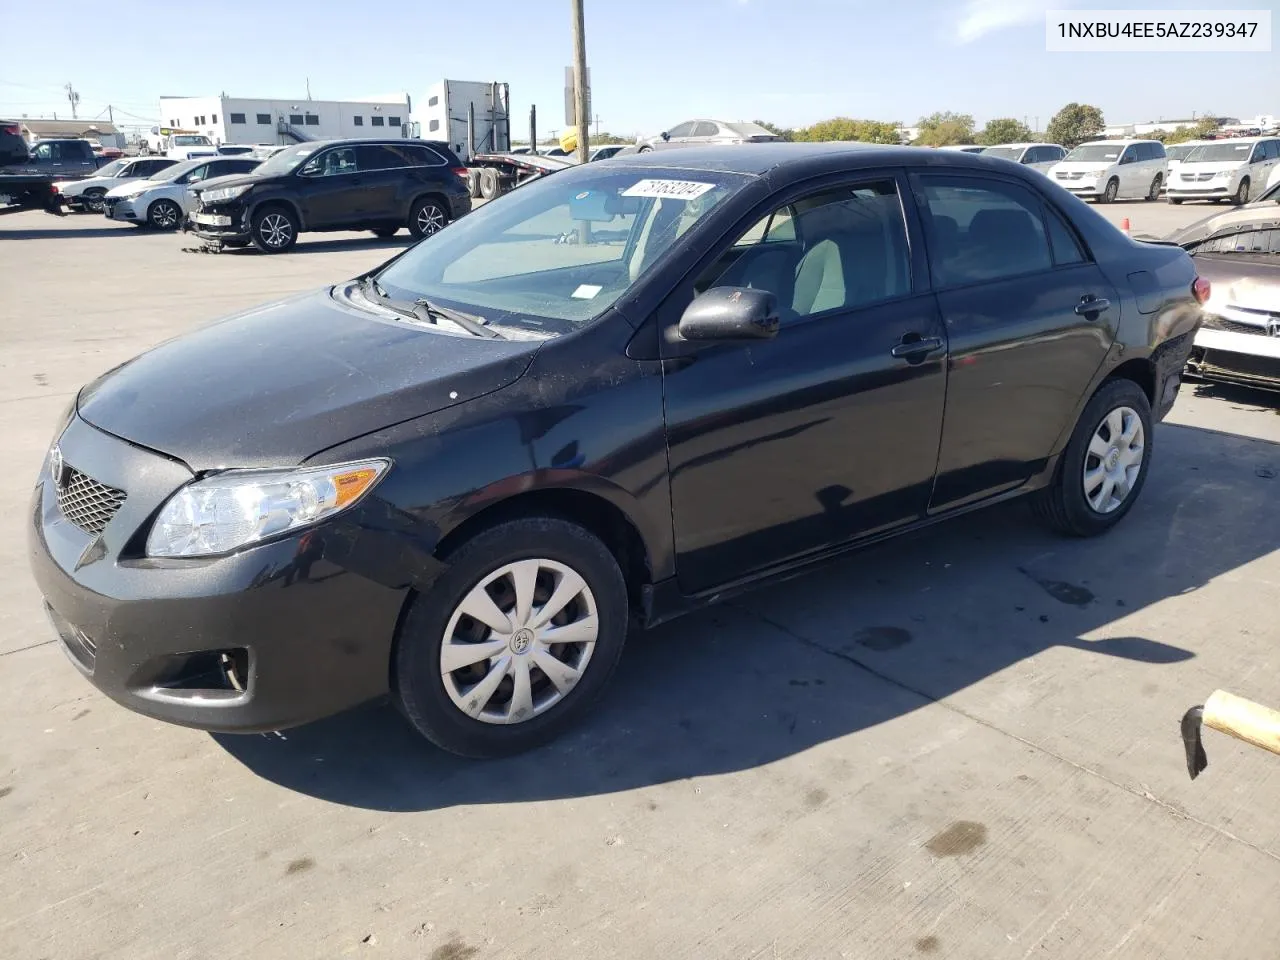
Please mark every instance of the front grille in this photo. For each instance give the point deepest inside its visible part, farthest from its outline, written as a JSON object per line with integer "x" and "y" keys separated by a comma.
{"x": 1197, "y": 177}
{"x": 1214, "y": 322}
{"x": 88, "y": 504}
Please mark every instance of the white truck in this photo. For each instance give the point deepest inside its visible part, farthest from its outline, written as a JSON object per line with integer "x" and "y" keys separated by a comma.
{"x": 472, "y": 117}
{"x": 176, "y": 144}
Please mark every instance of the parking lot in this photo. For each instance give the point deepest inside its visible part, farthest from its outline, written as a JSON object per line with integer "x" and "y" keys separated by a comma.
{"x": 961, "y": 744}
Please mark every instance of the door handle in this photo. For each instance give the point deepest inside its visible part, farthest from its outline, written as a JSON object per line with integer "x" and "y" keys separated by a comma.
{"x": 1092, "y": 306}
{"x": 914, "y": 348}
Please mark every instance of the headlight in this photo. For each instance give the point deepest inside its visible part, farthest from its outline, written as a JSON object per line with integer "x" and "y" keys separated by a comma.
{"x": 241, "y": 507}
{"x": 223, "y": 194}
{"x": 1222, "y": 175}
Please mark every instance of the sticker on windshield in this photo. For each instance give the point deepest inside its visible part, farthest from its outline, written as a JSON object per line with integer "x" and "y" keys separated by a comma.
{"x": 668, "y": 189}
{"x": 586, "y": 291}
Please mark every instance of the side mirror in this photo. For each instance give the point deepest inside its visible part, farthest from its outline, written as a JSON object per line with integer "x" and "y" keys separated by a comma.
{"x": 731, "y": 313}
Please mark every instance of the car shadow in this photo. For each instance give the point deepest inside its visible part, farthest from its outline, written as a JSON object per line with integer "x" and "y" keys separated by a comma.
{"x": 862, "y": 641}
{"x": 85, "y": 233}
{"x": 304, "y": 245}
{"x": 1250, "y": 398}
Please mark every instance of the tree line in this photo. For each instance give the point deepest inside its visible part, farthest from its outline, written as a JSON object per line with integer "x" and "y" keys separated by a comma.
{"x": 1072, "y": 125}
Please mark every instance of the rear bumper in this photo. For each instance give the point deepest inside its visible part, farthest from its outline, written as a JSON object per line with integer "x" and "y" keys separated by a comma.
{"x": 266, "y": 638}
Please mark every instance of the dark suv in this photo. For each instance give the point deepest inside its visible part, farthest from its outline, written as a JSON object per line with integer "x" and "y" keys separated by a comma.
{"x": 62, "y": 158}
{"x": 378, "y": 185}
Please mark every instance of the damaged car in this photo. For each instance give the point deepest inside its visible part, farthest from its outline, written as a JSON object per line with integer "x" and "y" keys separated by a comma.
{"x": 1239, "y": 253}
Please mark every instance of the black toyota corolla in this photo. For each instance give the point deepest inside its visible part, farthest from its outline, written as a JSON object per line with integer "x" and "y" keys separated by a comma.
{"x": 617, "y": 394}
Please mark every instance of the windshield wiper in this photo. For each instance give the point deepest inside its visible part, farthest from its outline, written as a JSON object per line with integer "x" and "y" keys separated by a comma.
{"x": 424, "y": 311}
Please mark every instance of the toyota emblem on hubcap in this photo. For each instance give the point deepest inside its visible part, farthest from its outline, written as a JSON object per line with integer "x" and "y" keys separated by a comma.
{"x": 522, "y": 641}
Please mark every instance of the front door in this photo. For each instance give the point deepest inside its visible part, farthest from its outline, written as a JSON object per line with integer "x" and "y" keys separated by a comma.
{"x": 331, "y": 193}
{"x": 1010, "y": 274}
{"x": 782, "y": 447}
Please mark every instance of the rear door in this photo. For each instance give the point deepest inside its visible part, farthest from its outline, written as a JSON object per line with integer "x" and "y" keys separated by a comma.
{"x": 383, "y": 170}
{"x": 1010, "y": 274}
{"x": 828, "y": 432}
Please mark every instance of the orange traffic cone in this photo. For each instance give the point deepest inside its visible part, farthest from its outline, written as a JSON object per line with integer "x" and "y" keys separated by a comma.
{"x": 1124, "y": 226}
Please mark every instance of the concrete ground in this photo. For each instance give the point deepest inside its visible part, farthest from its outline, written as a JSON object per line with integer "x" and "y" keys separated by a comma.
{"x": 962, "y": 744}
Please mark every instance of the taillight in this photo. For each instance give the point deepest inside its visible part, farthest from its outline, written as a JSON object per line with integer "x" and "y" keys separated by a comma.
{"x": 461, "y": 171}
{"x": 12, "y": 129}
{"x": 1200, "y": 290}
{"x": 54, "y": 185}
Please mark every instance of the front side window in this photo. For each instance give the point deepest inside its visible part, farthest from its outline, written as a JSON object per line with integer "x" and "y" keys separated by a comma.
{"x": 198, "y": 174}
{"x": 681, "y": 130}
{"x": 704, "y": 128}
{"x": 837, "y": 249}
{"x": 981, "y": 230}
{"x": 557, "y": 253}
{"x": 331, "y": 163}
{"x": 45, "y": 151}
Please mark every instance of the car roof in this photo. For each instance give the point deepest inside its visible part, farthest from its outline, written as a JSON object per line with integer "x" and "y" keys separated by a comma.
{"x": 757, "y": 159}
{"x": 1029, "y": 143}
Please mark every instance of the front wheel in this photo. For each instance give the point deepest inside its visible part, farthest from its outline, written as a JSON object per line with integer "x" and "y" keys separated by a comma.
{"x": 1104, "y": 466}
{"x": 1111, "y": 190}
{"x": 93, "y": 200}
{"x": 164, "y": 215}
{"x": 427, "y": 217}
{"x": 515, "y": 640}
{"x": 275, "y": 230}
{"x": 1242, "y": 193}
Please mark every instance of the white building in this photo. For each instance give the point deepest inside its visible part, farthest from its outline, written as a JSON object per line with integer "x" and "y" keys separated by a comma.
{"x": 242, "y": 120}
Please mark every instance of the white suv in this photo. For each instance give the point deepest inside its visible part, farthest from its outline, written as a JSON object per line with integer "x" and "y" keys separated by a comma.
{"x": 1114, "y": 170}
{"x": 1233, "y": 170}
{"x": 1037, "y": 156}
{"x": 164, "y": 201}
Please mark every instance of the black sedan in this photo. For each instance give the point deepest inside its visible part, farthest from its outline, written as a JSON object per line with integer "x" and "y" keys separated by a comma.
{"x": 613, "y": 396}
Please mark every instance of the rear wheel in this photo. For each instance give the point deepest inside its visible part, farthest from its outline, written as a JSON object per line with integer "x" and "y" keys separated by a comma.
{"x": 1109, "y": 193}
{"x": 514, "y": 641}
{"x": 1104, "y": 466}
{"x": 275, "y": 230}
{"x": 645, "y": 149}
{"x": 1154, "y": 192}
{"x": 164, "y": 215}
{"x": 427, "y": 217}
{"x": 490, "y": 185}
{"x": 1242, "y": 193}
{"x": 93, "y": 200}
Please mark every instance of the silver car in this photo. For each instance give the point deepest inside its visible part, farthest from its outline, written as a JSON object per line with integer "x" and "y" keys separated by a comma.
{"x": 696, "y": 133}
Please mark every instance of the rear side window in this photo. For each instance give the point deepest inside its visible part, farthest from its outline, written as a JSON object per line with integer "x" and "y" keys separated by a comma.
{"x": 423, "y": 157}
{"x": 1063, "y": 243}
{"x": 982, "y": 230}
{"x": 704, "y": 128}
{"x": 375, "y": 156}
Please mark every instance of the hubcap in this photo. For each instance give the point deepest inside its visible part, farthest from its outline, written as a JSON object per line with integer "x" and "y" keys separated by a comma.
{"x": 275, "y": 230}
{"x": 165, "y": 215}
{"x": 430, "y": 219}
{"x": 519, "y": 641}
{"x": 1114, "y": 461}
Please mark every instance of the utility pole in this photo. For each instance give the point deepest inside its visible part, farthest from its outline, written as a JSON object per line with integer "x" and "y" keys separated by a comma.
{"x": 580, "y": 81}
{"x": 74, "y": 98}
{"x": 111, "y": 117}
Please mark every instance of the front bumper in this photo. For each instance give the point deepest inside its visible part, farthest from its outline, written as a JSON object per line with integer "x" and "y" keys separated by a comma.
{"x": 266, "y": 638}
{"x": 220, "y": 221}
{"x": 1082, "y": 188}
{"x": 1229, "y": 352}
{"x": 1209, "y": 190}
{"x": 127, "y": 209}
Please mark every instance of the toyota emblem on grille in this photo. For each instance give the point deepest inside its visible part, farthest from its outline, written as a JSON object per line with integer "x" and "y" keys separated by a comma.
{"x": 57, "y": 466}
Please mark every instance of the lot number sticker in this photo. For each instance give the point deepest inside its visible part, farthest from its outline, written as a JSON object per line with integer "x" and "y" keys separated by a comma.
{"x": 668, "y": 189}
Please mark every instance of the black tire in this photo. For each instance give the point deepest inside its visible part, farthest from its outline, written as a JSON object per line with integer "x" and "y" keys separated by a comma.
{"x": 1242, "y": 193}
{"x": 274, "y": 229}
{"x": 645, "y": 149}
{"x": 1154, "y": 193}
{"x": 385, "y": 232}
{"x": 92, "y": 200}
{"x": 1175, "y": 200}
{"x": 490, "y": 185}
{"x": 473, "y": 183}
{"x": 164, "y": 215}
{"x": 419, "y": 685}
{"x": 1063, "y": 504}
{"x": 427, "y": 216}
{"x": 1110, "y": 191}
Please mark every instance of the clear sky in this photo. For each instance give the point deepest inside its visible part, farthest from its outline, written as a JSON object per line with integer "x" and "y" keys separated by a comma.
{"x": 653, "y": 62}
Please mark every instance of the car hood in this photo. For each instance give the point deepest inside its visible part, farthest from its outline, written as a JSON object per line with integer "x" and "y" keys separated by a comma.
{"x": 1082, "y": 166}
{"x": 275, "y": 385}
{"x": 234, "y": 180}
{"x": 136, "y": 187}
{"x": 1254, "y": 216}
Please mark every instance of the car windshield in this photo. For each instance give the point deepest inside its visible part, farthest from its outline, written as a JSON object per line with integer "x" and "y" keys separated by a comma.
{"x": 1220, "y": 152}
{"x": 557, "y": 253}
{"x": 286, "y": 160}
{"x": 1096, "y": 152}
{"x": 1004, "y": 153}
{"x": 111, "y": 169}
{"x": 178, "y": 169}
{"x": 190, "y": 141}
{"x": 1179, "y": 151}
